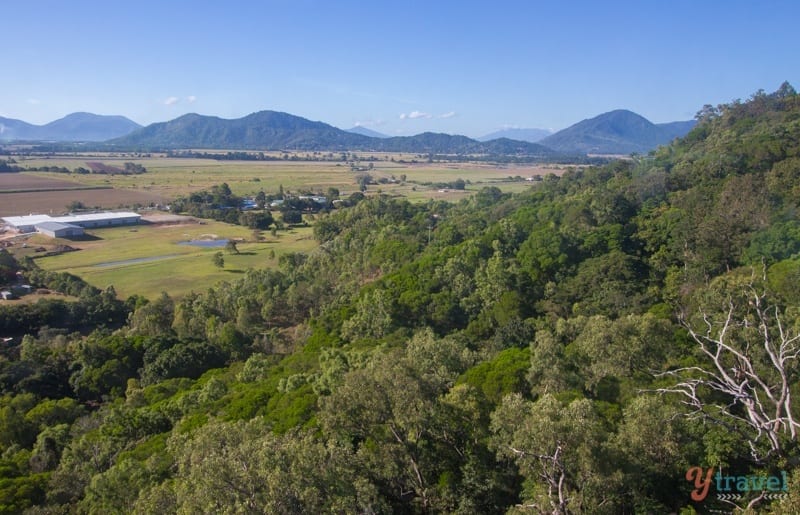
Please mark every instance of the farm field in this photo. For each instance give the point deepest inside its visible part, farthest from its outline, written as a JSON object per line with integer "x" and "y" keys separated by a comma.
{"x": 171, "y": 177}
{"x": 56, "y": 202}
{"x": 148, "y": 259}
{"x": 21, "y": 182}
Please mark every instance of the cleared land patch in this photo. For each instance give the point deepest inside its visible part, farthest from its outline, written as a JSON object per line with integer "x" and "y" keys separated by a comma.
{"x": 25, "y": 193}
{"x": 56, "y": 202}
{"x": 147, "y": 260}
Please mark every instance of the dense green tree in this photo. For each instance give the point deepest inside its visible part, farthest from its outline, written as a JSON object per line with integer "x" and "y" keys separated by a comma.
{"x": 154, "y": 318}
{"x": 244, "y": 467}
{"x": 559, "y": 450}
{"x": 14, "y": 427}
{"x": 292, "y": 216}
{"x": 256, "y": 220}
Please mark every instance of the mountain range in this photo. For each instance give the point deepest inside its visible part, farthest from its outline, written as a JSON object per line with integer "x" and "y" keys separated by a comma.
{"x": 73, "y": 127}
{"x": 271, "y": 130}
{"x": 615, "y": 132}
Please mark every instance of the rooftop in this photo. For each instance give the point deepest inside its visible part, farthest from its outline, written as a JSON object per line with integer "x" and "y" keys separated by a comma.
{"x": 71, "y": 218}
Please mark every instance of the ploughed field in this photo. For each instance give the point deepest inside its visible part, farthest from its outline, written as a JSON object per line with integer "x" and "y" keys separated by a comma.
{"x": 25, "y": 193}
{"x": 13, "y": 182}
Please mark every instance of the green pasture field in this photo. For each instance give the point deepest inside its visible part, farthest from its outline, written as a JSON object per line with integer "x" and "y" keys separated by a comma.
{"x": 164, "y": 265}
{"x": 171, "y": 177}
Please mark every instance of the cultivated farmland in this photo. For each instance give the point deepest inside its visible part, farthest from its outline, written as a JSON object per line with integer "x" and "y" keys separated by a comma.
{"x": 20, "y": 182}
{"x": 24, "y": 193}
{"x": 171, "y": 177}
{"x": 56, "y": 201}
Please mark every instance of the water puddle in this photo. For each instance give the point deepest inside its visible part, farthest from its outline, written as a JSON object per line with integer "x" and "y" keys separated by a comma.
{"x": 205, "y": 243}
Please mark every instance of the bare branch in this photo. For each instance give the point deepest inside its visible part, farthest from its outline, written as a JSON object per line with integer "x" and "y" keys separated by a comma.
{"x": 751, "y": 360}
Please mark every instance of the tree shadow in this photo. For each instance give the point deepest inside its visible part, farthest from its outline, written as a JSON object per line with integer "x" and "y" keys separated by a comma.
{"x": 82, "y": 237}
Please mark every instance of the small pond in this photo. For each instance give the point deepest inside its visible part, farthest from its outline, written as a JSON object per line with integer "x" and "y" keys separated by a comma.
{"x": 204, "y": 243}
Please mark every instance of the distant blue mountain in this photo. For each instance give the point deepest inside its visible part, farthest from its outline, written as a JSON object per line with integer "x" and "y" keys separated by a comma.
{"x": 11, "y": 129}
{"x": 73, "y": 127}
{"x": 616, "y": 132}
{"x": 367, "y": 132}
{"x": 529, "y": 135}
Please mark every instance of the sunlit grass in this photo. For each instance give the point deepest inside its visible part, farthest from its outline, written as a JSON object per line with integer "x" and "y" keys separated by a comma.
{"x": 176, "y": 269}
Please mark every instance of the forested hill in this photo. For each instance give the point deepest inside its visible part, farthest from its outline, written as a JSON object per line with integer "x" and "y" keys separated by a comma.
{"x": 576, "y": 348}
{"x": 616, "y": 132}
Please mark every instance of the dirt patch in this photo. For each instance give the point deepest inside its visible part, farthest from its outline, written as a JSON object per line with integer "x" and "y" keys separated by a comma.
{"x": 165, "y": 218}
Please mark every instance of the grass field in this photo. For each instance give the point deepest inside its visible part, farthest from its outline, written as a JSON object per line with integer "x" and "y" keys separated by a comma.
{"x": 147, "y": 260}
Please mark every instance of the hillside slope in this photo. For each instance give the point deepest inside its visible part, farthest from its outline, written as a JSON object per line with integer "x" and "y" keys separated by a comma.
{"x": 529, "y": 349}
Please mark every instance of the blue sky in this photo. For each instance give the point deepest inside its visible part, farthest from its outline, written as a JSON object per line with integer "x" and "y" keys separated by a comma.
{"x": 399, "y": 67}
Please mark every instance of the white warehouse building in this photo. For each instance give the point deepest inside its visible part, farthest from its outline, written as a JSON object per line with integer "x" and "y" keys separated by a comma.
{"x": 70, "y": 225}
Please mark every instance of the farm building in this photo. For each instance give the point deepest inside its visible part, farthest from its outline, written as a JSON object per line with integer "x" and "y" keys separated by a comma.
{"x": 27, "y": 223}
{"x": 59, "y": 229}
{"x": 70, "y": 225}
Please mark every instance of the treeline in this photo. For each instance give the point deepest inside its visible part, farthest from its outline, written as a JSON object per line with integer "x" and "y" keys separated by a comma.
{"x": 576, "y": 348}
{"x": 95, "y": 167}
{"x": 8, "y": 166}
{"x": 90, "y": 308}
{"x": 261, "y": 156}
{"x": 348, "y": 157}
{"x": 129, "y": 168}
{"x": 219, "y": 203}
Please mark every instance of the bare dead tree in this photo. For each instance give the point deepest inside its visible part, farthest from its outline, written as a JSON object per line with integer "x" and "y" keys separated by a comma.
{"x": 751, "y": 363}
{"x": 554, "y": 474}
